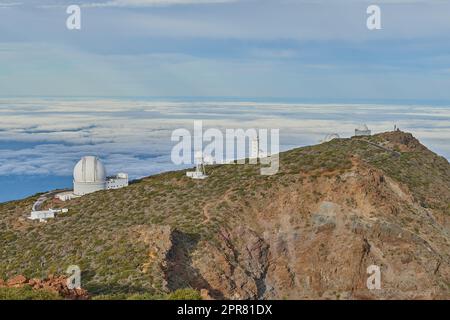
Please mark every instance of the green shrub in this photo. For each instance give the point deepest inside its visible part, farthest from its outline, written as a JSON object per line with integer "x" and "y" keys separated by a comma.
{"x": 184, "y": 294}
{"x": 180, "y": 294}
{"x": 27, "y": 293}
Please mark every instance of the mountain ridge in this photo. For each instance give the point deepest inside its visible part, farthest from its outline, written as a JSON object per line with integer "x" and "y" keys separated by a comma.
{"x": 308, "y": 232}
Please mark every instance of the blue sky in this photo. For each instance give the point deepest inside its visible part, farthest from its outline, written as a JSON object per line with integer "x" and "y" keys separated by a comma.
{"x": 241, "y": 48}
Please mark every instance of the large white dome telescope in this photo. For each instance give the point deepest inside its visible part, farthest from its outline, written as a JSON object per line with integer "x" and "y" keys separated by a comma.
{"x": 89, "y": 175}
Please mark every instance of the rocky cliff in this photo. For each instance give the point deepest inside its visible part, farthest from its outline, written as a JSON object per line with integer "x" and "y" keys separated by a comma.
{"x": 51, "y": 284}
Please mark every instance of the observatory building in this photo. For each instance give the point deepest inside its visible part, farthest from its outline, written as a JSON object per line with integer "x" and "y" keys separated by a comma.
{"x": 200, "y": 172}
{"x": 362, "y": 131}
{"x": 89, "y": 175}
{"x": 118, "y": 181}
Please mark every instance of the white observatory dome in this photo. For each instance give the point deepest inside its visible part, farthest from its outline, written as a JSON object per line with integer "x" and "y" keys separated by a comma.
{"x": 89, "y": 175}
{"x": 362, "y": 130}
{"x": 330, "y": 137}
{"x": 89, "y": 169}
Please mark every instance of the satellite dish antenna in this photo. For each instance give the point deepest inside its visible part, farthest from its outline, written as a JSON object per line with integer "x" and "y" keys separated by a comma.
{"x": 200, "y": 172}
{"x": 198, "y": 156}
{"x": 329, "y": 137}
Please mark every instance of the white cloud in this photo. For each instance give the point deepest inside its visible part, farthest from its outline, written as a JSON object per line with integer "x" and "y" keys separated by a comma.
{"x": 10, "y": 4}
{"x": 134, "y": 135}
{"x": 149, "y": 3}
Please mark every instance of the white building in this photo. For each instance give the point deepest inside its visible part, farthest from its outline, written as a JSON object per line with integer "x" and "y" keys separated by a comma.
{"x": 65, "y": 196}
{"x": 43, "y": 215}
{"x": 362, "y": 131}
{"x": 209, "y": 160}
{"x": 200, "y": 172}
{"x": 89, "y": 175}
{"x": 118, "y": 181}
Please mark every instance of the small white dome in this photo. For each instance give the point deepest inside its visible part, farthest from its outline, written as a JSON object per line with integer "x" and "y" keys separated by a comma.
{"x": 362, "y": 127}
{"x": 330, "y": 137}
{"x": 89, "y": 169}
{"x": 198, "y": 155}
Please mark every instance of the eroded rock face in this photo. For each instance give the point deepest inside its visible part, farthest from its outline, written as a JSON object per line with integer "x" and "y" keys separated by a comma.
{"x": 158, "y": 240}
{"x": 16, "y": 281}
{"x": 57, "y": 284}
{"x": 237, "y": 268}
{"x": 321, "y": 249}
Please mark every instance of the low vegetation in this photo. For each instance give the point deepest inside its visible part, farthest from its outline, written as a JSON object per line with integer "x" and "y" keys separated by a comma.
{"x": 27, "y": 293}
{"x": 98, "y": 234}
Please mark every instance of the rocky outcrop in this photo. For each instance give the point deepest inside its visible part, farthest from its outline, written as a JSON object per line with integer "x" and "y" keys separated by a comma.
{"x": 56, "y": 284}
{"x": 16, "y": 281}
{"x": 322, "y": 248}
{"x": 237, "y": 268}
{"x": 402, "y": 141}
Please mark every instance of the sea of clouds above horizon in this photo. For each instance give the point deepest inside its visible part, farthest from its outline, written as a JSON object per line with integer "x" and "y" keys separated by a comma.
{"x": 48, "y": 136}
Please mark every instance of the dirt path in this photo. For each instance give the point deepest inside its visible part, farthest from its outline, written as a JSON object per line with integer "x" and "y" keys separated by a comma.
{"x": 40, "y": 201}
{"x": 394, "y": 153}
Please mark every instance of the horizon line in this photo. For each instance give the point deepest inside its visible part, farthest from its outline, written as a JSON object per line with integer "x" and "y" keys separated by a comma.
{"x": 434, "y": 102}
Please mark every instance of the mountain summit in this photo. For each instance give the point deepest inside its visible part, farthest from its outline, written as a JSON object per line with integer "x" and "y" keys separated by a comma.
{"x": 309, "y": 232}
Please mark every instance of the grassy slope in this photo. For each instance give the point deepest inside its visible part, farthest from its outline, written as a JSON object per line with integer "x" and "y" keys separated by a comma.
{"x": 98, "y": 232}
{"x": 27, "y": 293}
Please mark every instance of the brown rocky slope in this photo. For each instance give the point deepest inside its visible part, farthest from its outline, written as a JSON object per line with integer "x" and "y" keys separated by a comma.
{"x": 53, "y": 284}
{"x": 309, "y": 232}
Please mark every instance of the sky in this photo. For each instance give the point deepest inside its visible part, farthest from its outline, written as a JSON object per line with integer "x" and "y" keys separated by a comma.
{"x": 242, "y": 48}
